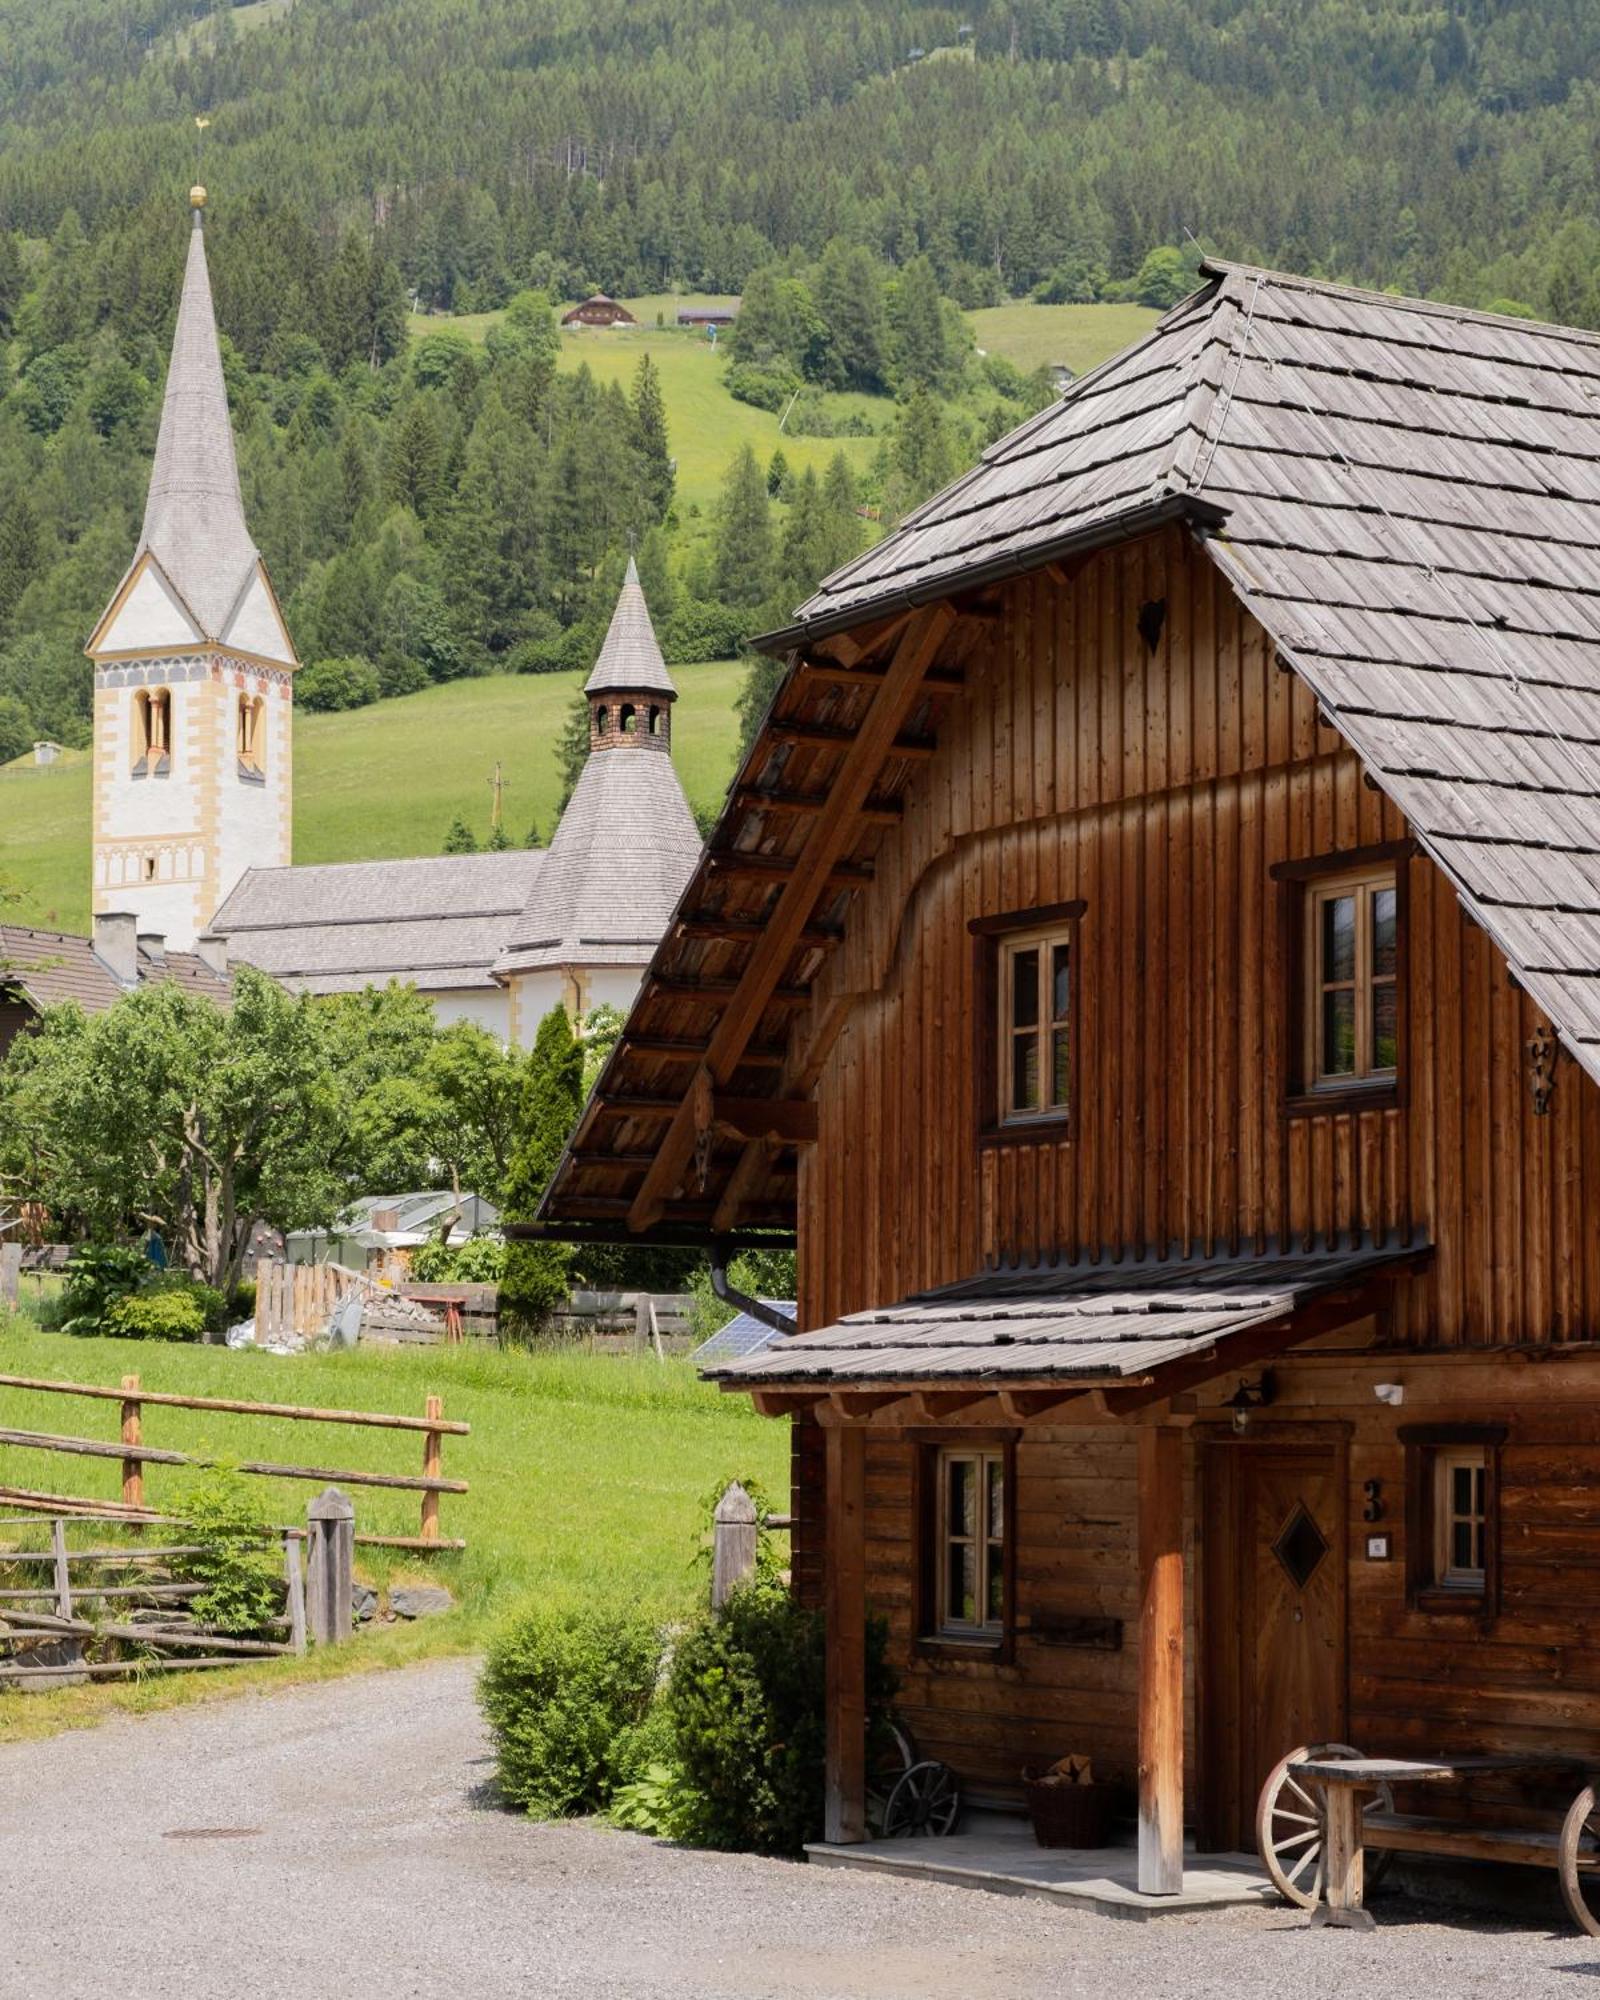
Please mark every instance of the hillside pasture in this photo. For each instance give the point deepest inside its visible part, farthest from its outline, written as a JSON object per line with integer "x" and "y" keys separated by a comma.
{"x": 588, "y": 1474}
{"x": 1033, "y": 336}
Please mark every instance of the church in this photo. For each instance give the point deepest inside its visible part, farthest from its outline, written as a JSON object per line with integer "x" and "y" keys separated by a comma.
{"x": 193, "y": 776}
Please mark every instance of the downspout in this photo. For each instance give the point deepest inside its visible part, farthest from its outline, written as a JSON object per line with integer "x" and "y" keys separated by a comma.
{"x": 730, "y": 1295}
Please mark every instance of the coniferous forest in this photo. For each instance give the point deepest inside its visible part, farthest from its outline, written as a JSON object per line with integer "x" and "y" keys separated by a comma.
{"x": 858, "y": 169}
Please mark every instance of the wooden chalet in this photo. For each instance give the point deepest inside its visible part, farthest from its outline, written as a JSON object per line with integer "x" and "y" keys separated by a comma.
{"x": 599, "y": 309}
{"x": 1150, "y": 958}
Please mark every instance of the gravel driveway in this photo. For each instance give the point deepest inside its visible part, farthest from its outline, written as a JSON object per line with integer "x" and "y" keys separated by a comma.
{"x": 364, "y": 1860}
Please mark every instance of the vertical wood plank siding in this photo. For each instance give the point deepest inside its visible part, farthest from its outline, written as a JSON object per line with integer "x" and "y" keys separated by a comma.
{"x": 1160, "y": 786}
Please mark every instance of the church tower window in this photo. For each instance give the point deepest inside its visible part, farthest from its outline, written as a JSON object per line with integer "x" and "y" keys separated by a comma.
{"x": 152, "y": 732}
{"x": 252, "y": 737}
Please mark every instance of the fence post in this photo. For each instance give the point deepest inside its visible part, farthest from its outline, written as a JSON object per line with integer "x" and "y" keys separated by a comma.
{"x": 432, "y": 1464}
{"x": 132, "y": 1468}
{"x": 58, "y": 1549}
{"x": 332, "y": 1521}
{"x": 295, "y": 1592}
{"x": 733, "y": 1544}
{"x": 10, "y": 1274}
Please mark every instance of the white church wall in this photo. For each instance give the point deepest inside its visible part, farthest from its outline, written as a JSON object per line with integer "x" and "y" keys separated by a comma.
{"x": 490, "y": 1011}
{"x": 253, "y": 817}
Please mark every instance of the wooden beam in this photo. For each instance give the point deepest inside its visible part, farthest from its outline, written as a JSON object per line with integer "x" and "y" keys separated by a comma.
{"x": 741, "y": 929}
{"x": 741, "y": 1184}
{"x": 830, "y": 675}
{"x": 1160, "y": 1661}
{"x": 844, "y": 1816}
{"x": 851, "y": 1405}
{"x": 828, "y": 735}
{"x": 675, "y": 1048}
{"x": 771, "y": 867}
{"x": 778, "y": 1402}
{"x": 1020, "y": 1404}
{"x": 825, "y": 842}
{"x": 1243, "y": 1350}
{"x": 876, "y": 812}
{"x": 723, "y": 989}
{"x": 935, "y": 1406}
{"x": 792, "y": 1121}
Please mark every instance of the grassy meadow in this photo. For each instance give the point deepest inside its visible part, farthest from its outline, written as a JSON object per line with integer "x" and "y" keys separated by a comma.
{"x": 1037, "y": 336}
{"x": 377, "y": 782}
{"x": 588, "y": 1474}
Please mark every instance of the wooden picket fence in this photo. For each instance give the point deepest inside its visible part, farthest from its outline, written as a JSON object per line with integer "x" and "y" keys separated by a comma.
{"x": 135, "y": 1454}
{"x": 297, "y": 1299}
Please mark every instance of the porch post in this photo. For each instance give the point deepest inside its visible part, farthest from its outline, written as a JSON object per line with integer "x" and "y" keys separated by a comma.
{"x": 1160, "y": 1660}
{"x": 845, "y": 1804}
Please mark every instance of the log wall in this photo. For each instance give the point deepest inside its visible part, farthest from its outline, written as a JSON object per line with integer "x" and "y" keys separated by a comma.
{"x": 1160, "y": 787}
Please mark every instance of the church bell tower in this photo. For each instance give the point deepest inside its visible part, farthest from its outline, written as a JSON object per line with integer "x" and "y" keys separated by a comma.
{"x": 193, "y": 666}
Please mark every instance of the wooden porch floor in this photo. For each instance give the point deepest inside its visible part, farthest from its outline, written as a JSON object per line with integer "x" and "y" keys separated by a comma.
{"x": 997, "y": 1852}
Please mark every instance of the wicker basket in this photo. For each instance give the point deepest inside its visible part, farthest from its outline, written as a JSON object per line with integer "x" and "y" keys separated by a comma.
{"x": 1069, "y": 1815}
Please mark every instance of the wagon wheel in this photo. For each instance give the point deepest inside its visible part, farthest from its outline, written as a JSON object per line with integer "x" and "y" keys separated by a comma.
{"x": 894, "y": 1753}
{"x": 926, "y": 1799}
{"x": 1578, "y": 1860}
{"x": 1290, "y": 1826}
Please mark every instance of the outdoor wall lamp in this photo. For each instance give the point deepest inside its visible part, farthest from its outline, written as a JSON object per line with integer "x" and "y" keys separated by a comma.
{"x": 1250, "y": 1396}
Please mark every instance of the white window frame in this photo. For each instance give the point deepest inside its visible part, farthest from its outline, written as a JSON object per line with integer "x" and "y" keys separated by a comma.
{"x": 1363, "y": 982}
{"x": 1046, "y": 1026}
{"x": 991, "y": 1552}
{"x": 1470, "y": 1580}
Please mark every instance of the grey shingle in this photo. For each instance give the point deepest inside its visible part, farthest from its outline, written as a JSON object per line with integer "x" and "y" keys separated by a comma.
{"x": 630, "y": 659}
{"x": 48, "y": 967}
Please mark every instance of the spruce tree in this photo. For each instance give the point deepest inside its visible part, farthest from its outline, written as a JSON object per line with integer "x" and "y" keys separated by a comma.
{"x": 742, "y": 576}
{"x": 19, "y": 553}
{"x": 459, "y": 837}
{"x": 649, "y": 429}
{"x": 572, "y": 749}
{"x": 535, "y": 1279}
{"x": 916, "y": 312}
{"x": 413, "y": 466}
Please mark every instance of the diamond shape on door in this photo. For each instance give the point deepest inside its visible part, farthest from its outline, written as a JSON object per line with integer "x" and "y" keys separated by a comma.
{"x": 1300, "y": 1546}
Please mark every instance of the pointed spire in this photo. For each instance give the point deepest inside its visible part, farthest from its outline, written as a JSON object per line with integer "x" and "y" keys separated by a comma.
{"x": 194, "y": 521}
{"x": 630, "y": 661}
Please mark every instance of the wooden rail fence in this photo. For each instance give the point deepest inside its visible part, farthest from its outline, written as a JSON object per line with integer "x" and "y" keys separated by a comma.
{"x": 134, "y": 1454}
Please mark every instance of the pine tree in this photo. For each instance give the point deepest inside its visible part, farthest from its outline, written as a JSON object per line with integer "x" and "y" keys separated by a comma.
{"x": 804, "y": 538}
{"x": 413, "y": 467}
{"x": 849, "y": 292}
{"x": 743, "y": 571}
{"x": 780, "y": 480}
{"x": 459, "y": 837}
{"x": 916, "y": 312}
{"x": 11, "y": 282}
{"x": 535, "y": 1280}
{"x": 499, "y": 841}
{"x": 844, "y": 531}
{"x": 572, "y": 749}
{"x": 19, "y": 553}
{"x": 921, "y": 457}
{"x": 649, "y": 432}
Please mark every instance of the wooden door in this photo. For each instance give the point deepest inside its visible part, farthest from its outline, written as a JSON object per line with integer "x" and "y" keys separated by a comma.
{"x": 1273, "y": 1667}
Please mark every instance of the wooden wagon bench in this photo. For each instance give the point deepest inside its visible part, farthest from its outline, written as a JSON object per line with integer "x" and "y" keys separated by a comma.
{"x": 1324, "y": 1806}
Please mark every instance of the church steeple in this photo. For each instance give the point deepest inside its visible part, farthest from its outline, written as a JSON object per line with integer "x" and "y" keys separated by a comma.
{"x": 194, "y": 521}
{"x": 630, "y": 691}
{"x": 193, "y": 665}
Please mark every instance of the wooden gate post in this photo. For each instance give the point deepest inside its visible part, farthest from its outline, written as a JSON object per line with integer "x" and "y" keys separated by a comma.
{"x": 432, "y": 1464}
{"x": 845, "y": 1755}
{"x": 10, "y": 1275}
{"x": 1160, "y": 1660}
{"x": 733, "y": 1544}
{"x": 132, "y": 1468}
{"x": 332, "y": 1522}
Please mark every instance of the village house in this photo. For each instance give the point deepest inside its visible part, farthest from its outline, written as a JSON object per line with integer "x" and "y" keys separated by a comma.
{"x": 40, "y": 969}
{"x": 599, "y": 309}
{"x": 1150, "y": 959}
{"x": 194, "y": 793}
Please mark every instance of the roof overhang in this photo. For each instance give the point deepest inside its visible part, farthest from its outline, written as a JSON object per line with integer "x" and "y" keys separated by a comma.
{"x": 1135, "y": 1332}
{"x": 1134, "y": 521}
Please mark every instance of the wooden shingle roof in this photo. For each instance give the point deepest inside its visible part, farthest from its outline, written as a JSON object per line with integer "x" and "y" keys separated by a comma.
{"x": 1405, "y": 495}
{"x": 48, "y": 967}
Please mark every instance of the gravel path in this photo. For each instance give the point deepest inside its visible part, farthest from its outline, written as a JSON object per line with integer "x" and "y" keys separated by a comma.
{"x": 365, "y": 1860}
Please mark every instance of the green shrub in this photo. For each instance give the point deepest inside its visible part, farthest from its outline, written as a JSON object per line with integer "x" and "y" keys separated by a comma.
{"x": 478, "y": 1261}
{"x": 98, "y": 1275}
{"x": 235, "y": 1553}
{"x": 241, "y": 1302}
{"x": 337, "y": 684}
{"x": 565, "y": 1692}
{"x": 746, "y": 1704}
{"x": 162, "y": 1313}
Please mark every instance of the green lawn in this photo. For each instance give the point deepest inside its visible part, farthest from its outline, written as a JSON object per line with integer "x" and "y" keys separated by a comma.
{"x": 588, "y": 1474}
{"x": 1081, "y": 336}
{"x": 379, "y": 781}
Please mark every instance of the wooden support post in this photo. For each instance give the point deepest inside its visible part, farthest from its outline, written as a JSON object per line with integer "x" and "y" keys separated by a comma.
{"x": 295, "y": 1593}
{"x": 332, "y": 1521}
{"x": 432, "y": 1463}
{"x": 845, "y": 1802}
{"x": 63, "y": 1573}
{"x": 733, "y": 1544}
{"x": 1343, "y": 1861}
{"x": 10, "y": 1275}
{"x": 1160, "y": 1661}
{"x": 132, "y": 1434}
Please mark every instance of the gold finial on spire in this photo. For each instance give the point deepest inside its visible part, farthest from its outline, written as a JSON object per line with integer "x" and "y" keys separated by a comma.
{"x": 197, "y": 196}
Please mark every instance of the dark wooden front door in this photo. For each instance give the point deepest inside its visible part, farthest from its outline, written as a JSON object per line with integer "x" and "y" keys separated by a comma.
{"x": 1273, "y": 1619}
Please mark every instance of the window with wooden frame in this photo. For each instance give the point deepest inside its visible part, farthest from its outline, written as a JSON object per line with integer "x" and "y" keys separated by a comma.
{"x": 1344, "y": 936}
{"x": 1028, "y": 978}
{"x": 252, "y": 736}
{"x": 965, "y": 1513}
{"x": 1452, "y": 1498}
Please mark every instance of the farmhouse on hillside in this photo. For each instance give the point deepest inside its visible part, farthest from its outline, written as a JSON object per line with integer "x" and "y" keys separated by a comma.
{"x": 193, "y": 780}
{"x": 1151, "y": 960}
{"x": 40, "y": 969}
{"x": 598, "y": 310}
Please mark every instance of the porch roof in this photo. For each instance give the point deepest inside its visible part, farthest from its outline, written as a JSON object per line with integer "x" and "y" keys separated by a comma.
{"x": 1082, "y": 1322}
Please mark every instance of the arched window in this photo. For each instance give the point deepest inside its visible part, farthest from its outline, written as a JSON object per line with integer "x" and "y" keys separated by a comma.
{"x": 252, "y": 736}
{"x": 602, "y": 719}
{"x": 152, "y": 732}
{"x": 627, "y": 719}
{"x": 655, "y": 721}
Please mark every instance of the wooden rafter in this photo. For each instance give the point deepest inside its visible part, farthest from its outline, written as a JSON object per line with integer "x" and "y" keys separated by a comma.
{"x": 830, "y": 833}
{"x": 843, "y": 874}
{"x": 709, "y": 924}
{"x": 831, "y": 736}
{"x": 676, "y": 1048}
{"x": 876, "y": 812}
{"x": 742, "y": 1183}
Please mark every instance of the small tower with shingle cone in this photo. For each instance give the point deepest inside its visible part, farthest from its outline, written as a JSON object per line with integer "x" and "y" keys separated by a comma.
{"x": 193, "y": 666}
{"x": 626, "y": 846}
